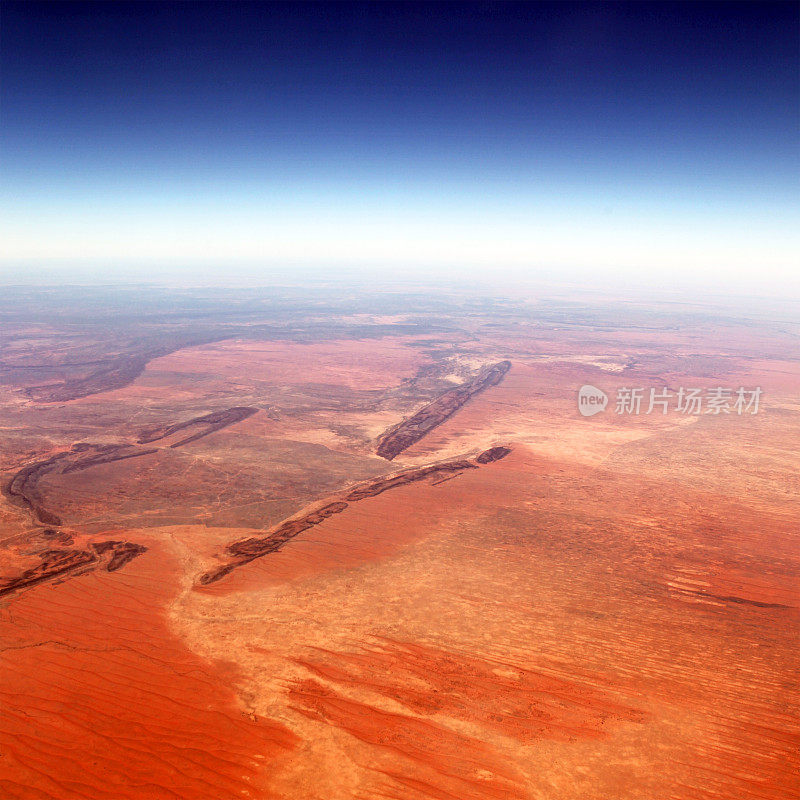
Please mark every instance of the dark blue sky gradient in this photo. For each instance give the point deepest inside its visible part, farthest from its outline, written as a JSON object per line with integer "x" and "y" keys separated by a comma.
{"x": 123, "y": 99}
{"x": 239, "y": 84}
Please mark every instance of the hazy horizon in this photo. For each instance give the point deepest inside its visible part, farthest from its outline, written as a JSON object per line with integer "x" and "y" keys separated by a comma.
{"x": 652, "y": 144}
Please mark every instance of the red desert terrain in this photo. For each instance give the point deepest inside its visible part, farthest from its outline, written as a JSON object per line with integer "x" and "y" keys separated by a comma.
{"x": 368, "y": 548}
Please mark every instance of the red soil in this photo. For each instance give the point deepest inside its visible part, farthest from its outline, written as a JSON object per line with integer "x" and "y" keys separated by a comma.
{"x": 367, "y": 364}
{"x": 100, "y": 700}
{"x": 612, "y": 637}
{"x": 609, "y": 613}
{"x": 522, "y": 703}
{"x": 444, "y": 763}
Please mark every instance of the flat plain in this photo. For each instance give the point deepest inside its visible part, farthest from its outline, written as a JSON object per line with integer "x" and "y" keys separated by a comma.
{"x": 270, "y": 544}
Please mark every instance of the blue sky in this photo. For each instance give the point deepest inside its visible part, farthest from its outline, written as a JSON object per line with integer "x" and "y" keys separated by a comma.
{"x": 603, "y": 139}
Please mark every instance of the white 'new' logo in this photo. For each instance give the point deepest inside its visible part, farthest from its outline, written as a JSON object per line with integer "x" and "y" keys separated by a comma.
{"x": 591, "y": 400}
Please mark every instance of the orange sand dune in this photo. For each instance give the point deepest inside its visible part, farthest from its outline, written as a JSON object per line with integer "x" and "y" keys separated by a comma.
{"x": 528, "y": 629}
{"x": 608, "y": 613}
{"x": 100, "y": 700}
